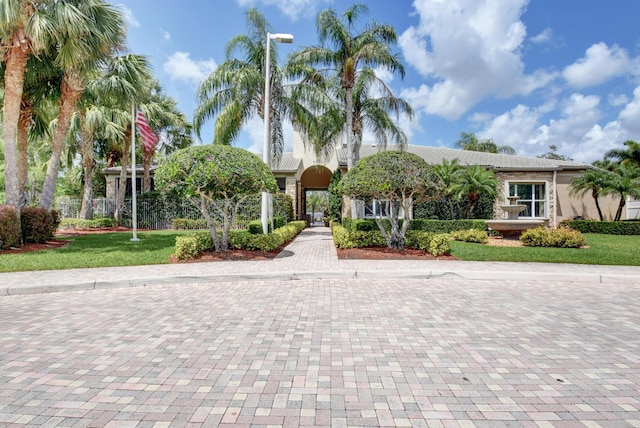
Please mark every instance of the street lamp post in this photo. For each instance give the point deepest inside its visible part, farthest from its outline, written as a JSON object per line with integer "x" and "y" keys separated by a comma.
{"x": 266, "y": 149}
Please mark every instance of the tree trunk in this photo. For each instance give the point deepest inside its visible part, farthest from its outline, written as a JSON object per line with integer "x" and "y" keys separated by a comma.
{"x": 621, "y": 205}
{"x": 122, "y": 187}
{"x": 23, "y": 144}
{"x": 86, "y": 151}
{"x": 71, "y": 90}
{"x": 595, "y": 198}
{"x": 146, "y": 177}
{"x": 15, "y": 65}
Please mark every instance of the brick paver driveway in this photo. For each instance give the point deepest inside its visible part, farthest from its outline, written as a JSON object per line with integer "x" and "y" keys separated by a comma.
{"x": 342, "y": 353}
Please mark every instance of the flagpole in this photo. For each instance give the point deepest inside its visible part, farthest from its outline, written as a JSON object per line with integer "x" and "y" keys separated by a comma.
{"x": 134, "y": 208}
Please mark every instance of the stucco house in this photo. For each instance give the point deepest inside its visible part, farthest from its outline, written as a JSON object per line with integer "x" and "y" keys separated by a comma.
{"x": 541, "y": 184}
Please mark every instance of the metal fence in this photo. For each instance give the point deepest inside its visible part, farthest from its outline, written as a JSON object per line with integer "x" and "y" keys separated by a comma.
{"x": 159, "y": 212}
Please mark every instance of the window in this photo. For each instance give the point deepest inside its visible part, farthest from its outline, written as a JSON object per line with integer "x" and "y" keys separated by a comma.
{"x": 533, "y": 196}
{"x": 376, "y": 208}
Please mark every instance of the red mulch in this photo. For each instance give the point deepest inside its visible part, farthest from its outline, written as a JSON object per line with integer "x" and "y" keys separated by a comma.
{"x": 385, "y": 253}
{"x": 27, "y": 248}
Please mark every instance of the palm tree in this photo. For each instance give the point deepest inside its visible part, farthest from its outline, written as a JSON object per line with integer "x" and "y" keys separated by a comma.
{"x": 469, "y": 141}
{"x": 630, "y": 154}
{"x": 25, "y": 28}
{"x": 449, "y": 172}
{"x": 345, "y": 53}
{"x": 472, "y": 182}
{"x": 234, "y": 92}
{"x": 102, "y": 34}
{"x": 592, "y": 180}
{"x": 623, "y": 181}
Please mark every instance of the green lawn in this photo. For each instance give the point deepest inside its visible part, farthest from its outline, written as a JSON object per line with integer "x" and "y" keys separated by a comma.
{"x": 98, "y": 250}
{"x": 603, "y": 250}
{"x": 116, "y": 249}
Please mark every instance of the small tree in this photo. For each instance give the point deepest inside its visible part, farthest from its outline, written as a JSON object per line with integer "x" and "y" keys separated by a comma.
{"x": 335, "y": 197}
{"x": 218, "y": 179}
{"x": 396, "y": 179}
{"x": 472, "y": 182}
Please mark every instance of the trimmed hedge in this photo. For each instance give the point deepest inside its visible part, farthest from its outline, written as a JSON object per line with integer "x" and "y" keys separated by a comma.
{"x": 627, "y": 227}
{"x": 77, "y": 223}
{"x": 435, "y": 226}
{"x": 557, "y": 238}
{"x": 9, "y": 227}
{"x": 255, "y": 226}
{"x": 435, "y": 243}
{"x": 189, "y": 224}
{"x": 38, "y": 224}
{"x": 189, "y": 246}
{"x": 471, "y": 235}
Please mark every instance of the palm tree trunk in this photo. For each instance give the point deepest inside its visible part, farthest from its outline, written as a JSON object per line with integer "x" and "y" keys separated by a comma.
{"x": 23, "y": 143}
{"x": 15, "y": 63}
{"x": 122, "y": 187}
{"x": 595, "y": 198}
{"x": 86, "y": 151}
{"x": 621, "y": 205}
{"x": 146, "y": 177}
{"x": 71, "y": 90}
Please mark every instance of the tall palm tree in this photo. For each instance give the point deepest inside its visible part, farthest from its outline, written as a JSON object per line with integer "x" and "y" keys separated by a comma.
{"x": 344, "y": 53}
{"x": 623, "y": 181}
{"x": 449, "y": 172}
{"x": 469, "y": 141}
{"x": 473, "y": 181}
{"x": 25, "y": 28}
{"x": 234, "y": 92}
{"x": 592, "y": 180}
{"x": 631, "y": 154}
{"x": 102, "y": 31}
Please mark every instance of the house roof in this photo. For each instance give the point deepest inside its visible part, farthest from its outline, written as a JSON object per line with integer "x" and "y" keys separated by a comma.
{"x": 287, "y": 163}
{"x": 436, "y": 155}
{"x": 115, "y": 170}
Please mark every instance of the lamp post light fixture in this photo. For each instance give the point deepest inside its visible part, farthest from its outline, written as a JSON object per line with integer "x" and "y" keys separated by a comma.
{"x": 266, "y": 149}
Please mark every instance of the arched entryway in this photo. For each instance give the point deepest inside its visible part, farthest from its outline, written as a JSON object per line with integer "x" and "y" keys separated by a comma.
{"x": 313, "y": 179}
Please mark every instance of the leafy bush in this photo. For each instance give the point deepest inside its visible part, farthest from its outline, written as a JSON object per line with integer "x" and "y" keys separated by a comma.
{"x": 627, "y": 227}
{"x": 189, "y": 246}
{"x": 78, "y": 223}
{"x": 446, "y": 226}
{"x": 471, "y": 235}
{"x": 189, "y": 224}
{"x": 440, "y": 210}
{"x": 9, "y": 227}
{"x": 255, "y": 226}
{"x": 558, "y": 238}
{"x": 38, "y": 224}
{"x": 334, "y": 198}
{"x": 436, "y": 244}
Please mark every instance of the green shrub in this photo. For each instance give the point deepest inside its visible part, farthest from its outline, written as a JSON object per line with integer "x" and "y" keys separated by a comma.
{"x": 471, "y": 235}
{"x": 9, "y": 227}
{"x": 38, "y": 224}
{"x": 189, "y": 246}
{"x": 341, "y": 236}
{"x": 78, "y": 223}
{"x": 558, "y": 238}
{"x": 446, "y": 226}
{"x": 627, "y": 227}
{"x": 255, "y": 226}
{"x": 189, "y": 224}
{"x": 436, "y": 244}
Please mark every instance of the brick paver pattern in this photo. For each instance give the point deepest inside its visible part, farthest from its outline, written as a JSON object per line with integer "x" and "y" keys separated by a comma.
{"x": 392, "y": 352}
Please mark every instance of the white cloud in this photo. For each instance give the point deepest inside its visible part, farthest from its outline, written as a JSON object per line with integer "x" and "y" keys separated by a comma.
{"x": 599, "y": 65}
{"x": 471, "y": 49}
{"x": 293, "y": 9}
{"x": 166, "y": 36}
{"x": 129, "y": 17}
{"x": 543, "y": 37}
{"x": 577, "y": 132}
{"x": 181, "y": 67}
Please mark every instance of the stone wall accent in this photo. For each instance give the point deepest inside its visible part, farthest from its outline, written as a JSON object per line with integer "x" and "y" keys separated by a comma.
{"x": 522, "y": 176}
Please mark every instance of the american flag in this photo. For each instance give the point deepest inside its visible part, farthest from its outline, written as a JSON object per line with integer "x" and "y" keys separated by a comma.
{"x": 149, "y": 138}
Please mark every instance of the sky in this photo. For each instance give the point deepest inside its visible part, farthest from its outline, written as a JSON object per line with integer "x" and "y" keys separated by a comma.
{"x": 527, "y": 73}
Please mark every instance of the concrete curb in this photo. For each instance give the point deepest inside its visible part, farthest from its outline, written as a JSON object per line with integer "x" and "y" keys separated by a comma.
{"x": 13, "y": 290}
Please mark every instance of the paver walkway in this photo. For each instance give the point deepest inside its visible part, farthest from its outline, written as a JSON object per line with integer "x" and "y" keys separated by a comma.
{"x": 335, "y": 350}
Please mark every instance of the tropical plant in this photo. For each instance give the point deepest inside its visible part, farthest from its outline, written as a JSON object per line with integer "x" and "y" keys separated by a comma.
{"x": 630, "y": 155}
{"x": 554, "y": 155}
{"x": 218, "y": 179}
{"x": 469, "y": 141}
{"x": 474, "y": 181}
{"x": 316, "y": 200}
{"x": 623, "y": 181}
{"x": 334, "y": 196}
{"x": 344, "y": 53}
{"x": 397, "y": 180}
{"x": 592, "y": 180}
{"x": 449, "y": 172}
{"x": 88, "y": 33}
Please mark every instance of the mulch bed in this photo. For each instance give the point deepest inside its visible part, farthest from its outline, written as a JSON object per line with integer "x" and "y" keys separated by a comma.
{"x": 385, "y": 253}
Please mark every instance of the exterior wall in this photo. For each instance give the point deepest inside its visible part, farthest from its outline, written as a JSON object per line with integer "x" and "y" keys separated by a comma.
{"x": 505, "y": 177}
{"x": 585, "y": 206}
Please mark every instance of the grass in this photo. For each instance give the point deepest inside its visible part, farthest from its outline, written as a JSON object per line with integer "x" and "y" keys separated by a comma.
{"x": 603, "y": 250}
{"x": 98, "y": 250}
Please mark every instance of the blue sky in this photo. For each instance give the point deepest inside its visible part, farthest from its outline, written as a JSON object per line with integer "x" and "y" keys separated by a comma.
{"x": 528, "y": 74}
